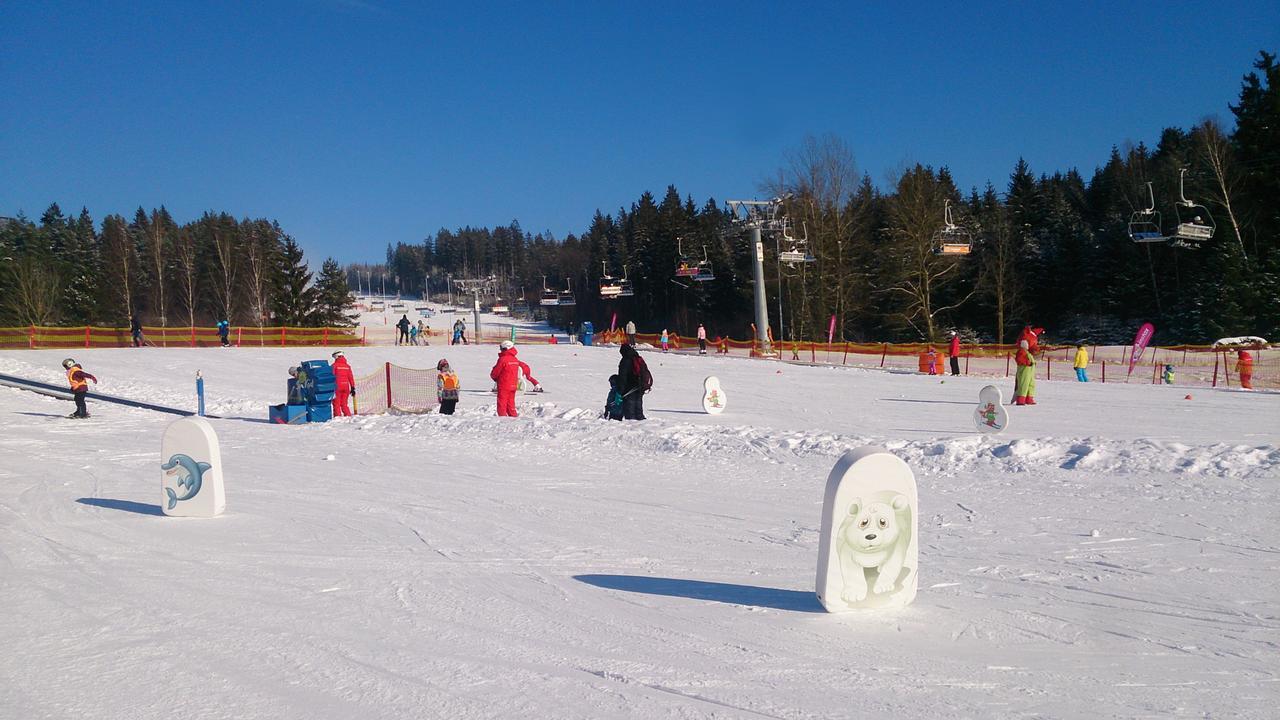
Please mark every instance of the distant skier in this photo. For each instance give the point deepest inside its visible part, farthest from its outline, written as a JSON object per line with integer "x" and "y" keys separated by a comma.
{"x": 403, "y": 327}
{"x": 614, "y": 401}
{"x": 224, "y": 333}
{"x": 1244, "y": 368}
{"x": 1024, "y": 391}
{"x": 345, "y": 385}
{"x": 931, "y": 359}
{"x": 447, "y": 387}
{"x": 954, "y": 351}
{"x": 702, "y": 340}
{"x": 413, "y": 334}
{"x": 135, "y": 330}
{"x": 506, "y": 372}
{"x": 665, "y": 340}
{"x": 424, "y": 332}
{"x": 78, "y": 379}
{"x": 1080, "y": 363}
{"x": 630, "y": 331}
{"x": 635, "y": 380}
{"x": 1167, "y": 375}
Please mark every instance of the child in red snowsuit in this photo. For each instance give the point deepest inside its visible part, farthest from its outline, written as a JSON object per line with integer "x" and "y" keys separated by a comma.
{"x": 1244, "y": 368}
{"x": 506, "y": 372}
{"x": 346, "y": 385}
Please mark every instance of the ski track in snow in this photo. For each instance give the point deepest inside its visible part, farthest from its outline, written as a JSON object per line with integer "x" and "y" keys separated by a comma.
{"x": 561, "y": 566}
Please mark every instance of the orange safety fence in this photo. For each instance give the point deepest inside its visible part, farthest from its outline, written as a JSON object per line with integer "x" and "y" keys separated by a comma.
{"x": 37, "y": 336}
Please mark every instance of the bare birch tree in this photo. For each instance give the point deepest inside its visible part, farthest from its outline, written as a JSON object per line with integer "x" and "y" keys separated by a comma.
{"x": 1215, "y": 151}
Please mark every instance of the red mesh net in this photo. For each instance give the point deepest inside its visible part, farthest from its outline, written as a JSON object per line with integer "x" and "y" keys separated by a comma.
{"x": 411, "y": 391}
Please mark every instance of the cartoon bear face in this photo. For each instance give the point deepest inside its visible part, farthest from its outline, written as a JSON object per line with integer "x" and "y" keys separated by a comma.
{"x": 875, "y": 526}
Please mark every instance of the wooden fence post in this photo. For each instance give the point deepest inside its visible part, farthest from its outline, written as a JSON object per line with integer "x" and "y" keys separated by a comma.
{"x": 388, "y": 386}
{"x": 364, "y": 336}
{"x": 1104, "y": 371}
{"x": 883, "y": 353}
{"x": 1007, "y": 357}
{"x": 1048, "y": 366}
{"x": 846, "y": 353}
{"x": 966, "y": 361}
{"x": 1215, "y": 369}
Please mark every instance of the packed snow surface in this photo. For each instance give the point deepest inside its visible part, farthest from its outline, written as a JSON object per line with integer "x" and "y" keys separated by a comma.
{"x": 1114, "y": 554}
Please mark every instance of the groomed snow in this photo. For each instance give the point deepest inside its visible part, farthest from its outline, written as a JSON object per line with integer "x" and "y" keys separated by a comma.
{"x": 1113, "y": 555}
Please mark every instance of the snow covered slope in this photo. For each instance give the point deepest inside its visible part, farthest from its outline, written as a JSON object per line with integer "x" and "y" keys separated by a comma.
{"x": 1114, "y": 554}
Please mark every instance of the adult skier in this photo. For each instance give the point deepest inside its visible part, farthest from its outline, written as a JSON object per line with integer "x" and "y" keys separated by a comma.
{"x": 634, "y": 380}
{"x": 403, "y": 327}
{"x": 954, "y": 351}
{"x": 506, "y": 372}
{"x": 135, "y": 330}
{"x": 630, "y": 330}
{"x": 78, "y": 379}
{"x": 346, "y": 385}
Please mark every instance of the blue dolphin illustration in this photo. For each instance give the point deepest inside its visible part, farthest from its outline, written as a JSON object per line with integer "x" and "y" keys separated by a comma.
{"x": 189, "y": 474}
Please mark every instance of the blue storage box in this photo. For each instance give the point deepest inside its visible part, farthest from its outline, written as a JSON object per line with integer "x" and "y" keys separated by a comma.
{"x": 319, "y": 412}
{"x": 287, "y": 414}
{"x": 321, "y": 384}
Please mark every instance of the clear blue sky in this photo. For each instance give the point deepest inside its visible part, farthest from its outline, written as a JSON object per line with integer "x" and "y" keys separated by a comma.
{"x": 361, "y": 122}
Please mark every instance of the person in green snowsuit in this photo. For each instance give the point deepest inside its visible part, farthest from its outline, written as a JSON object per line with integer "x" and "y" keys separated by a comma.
{"x": 1024, "y": 385}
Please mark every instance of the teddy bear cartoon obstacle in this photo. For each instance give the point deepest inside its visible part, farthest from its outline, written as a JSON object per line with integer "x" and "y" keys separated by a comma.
{"x": 868, "y": 554}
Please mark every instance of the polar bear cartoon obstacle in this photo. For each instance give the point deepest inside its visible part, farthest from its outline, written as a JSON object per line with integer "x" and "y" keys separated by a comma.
{"x": 191, "y": 470}
{"x": 713, "y": 399}
{"x": 990, "y": 416}
{"x": 867, "y": 552}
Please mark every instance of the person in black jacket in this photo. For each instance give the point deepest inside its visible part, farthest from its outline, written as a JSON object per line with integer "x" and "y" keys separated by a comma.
{"x": 634, "y": 381}
{"x": 403, "y": 327}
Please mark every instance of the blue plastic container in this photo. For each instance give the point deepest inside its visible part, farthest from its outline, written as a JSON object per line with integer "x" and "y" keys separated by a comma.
{"x": 287, "y": 414}
{"x": 319, "y": 412}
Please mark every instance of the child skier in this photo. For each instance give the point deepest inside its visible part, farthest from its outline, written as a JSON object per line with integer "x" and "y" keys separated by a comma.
{"x": 413, "y": 334}
{"x": 78, "y": 380}
{"x": 932, "y": 356}
{"x": 1024, "y": 389}
{"x": 224, "y": 333}
{"x": 424, "y": 332}
{"x": 1167, "y": 375}
{"x": 702, "y": 339}
{"x": 664, "y": 340}
{"x": 1244, "y": 368}
{"x": 447, "y": 387}
{"x": 613, "y": 403}
{"x": 1081, "y": 362}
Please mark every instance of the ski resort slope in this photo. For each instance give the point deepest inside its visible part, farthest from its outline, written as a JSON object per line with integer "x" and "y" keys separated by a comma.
{"x": 1114, "y": 554}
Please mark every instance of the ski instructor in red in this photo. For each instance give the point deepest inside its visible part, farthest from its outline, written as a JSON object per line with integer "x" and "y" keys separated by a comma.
{"x": 346, "y": 385}
{"x": 506, "y": 372}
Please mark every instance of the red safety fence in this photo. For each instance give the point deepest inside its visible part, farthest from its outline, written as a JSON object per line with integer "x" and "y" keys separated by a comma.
{"x": 396, "y": 389}
{"x": 36, "y": 336}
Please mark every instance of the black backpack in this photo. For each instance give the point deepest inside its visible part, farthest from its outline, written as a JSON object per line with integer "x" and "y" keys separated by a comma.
{"x": 642, "y": 373}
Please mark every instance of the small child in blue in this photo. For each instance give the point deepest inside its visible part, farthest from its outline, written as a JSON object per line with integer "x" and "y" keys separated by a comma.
{"x": 613, "y": 403}
{"x": 1167, "y": 375}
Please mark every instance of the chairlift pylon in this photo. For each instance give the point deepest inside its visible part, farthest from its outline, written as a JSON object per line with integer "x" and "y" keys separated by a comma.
{"x": 952, "y": 239}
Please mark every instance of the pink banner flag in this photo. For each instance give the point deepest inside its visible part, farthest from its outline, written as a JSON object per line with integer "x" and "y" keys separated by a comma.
{"x": 1140, "y": 344}
{"x": 831, "y": 329}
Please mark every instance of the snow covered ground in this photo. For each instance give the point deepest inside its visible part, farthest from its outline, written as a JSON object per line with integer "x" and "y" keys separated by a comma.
{"x": 1115, "y": 554}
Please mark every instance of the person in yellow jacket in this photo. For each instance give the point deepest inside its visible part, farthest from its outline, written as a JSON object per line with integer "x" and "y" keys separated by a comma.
{"x": 1080, "y": 363}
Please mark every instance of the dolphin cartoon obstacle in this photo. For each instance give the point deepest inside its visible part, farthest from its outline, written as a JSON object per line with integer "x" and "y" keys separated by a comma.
{"x": 191, "y": 471}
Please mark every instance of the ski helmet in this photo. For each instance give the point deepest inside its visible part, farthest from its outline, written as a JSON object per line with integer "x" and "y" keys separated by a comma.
{"x": 442, "y": 364}
{"x": 69, "y": 363}
{"x": 337, "y": 354}
{"x": 507, "y": 345}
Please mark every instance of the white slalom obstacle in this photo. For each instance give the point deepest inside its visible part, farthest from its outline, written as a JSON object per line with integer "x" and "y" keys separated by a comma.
{"x": 867, "y": 552}
{"x": 713, "y": 398}
{"x": 990, "y": 416}
{"x": 191, "y": 470}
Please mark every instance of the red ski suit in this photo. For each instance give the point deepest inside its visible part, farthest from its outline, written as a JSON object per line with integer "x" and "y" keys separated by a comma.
{"x": 506, "y": 372}
{"x": 346, "y": 383}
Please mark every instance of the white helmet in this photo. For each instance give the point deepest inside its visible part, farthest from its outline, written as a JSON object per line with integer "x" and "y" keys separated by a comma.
{"x": 337, "y": 354}
{"x": 507, "y": 345}
{"x": 69, "y": 363}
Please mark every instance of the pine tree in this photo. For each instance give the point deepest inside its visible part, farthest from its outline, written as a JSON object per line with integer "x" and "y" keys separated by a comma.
{"x": 295, "y": 297}
{"x": 332, "y": 297}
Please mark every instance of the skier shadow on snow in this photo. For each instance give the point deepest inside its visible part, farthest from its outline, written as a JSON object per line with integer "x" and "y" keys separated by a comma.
{"x": 125, "y": 505}
{"x": 774, "y": 598}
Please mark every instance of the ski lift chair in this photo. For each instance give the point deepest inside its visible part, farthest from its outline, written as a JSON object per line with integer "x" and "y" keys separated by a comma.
{"x": 798, "y": 252}
{"x": 624, "y": 285}
{"x": 703, "y": 271}
{"x": 1144, "y": 225}
{"x": 565, "y": 297}
{"x": 610, "y": 288}
{"x": 549, "y": 296}
{"x": 952, "y": 239}
{"x": 1195, "y": 224}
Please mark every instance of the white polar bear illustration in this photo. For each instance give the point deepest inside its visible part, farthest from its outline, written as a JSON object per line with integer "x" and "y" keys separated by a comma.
{"x": 874, "y": 535}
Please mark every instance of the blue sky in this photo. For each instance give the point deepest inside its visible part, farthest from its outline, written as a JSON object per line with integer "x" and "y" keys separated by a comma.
{"x": 360, "y": 122}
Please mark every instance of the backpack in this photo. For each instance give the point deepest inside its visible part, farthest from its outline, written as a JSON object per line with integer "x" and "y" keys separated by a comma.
{"x": 641, "y": 371}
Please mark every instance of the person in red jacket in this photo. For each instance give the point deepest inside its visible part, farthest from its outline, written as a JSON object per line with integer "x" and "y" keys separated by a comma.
{"x": 954, "y": 351}
{"x": 1024, "y": 388}
{"x": 1032, "y": 336}
{"x": 506, "y": 372}
{"x": 1244, "y": 367}
{"x": 79, "y": 381}
{"x": 346, "y": 385}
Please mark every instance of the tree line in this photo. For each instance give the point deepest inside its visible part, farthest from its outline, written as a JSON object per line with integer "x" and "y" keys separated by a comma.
{"x": 1048, "y": 249}
{"x": 70, "y": 271}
